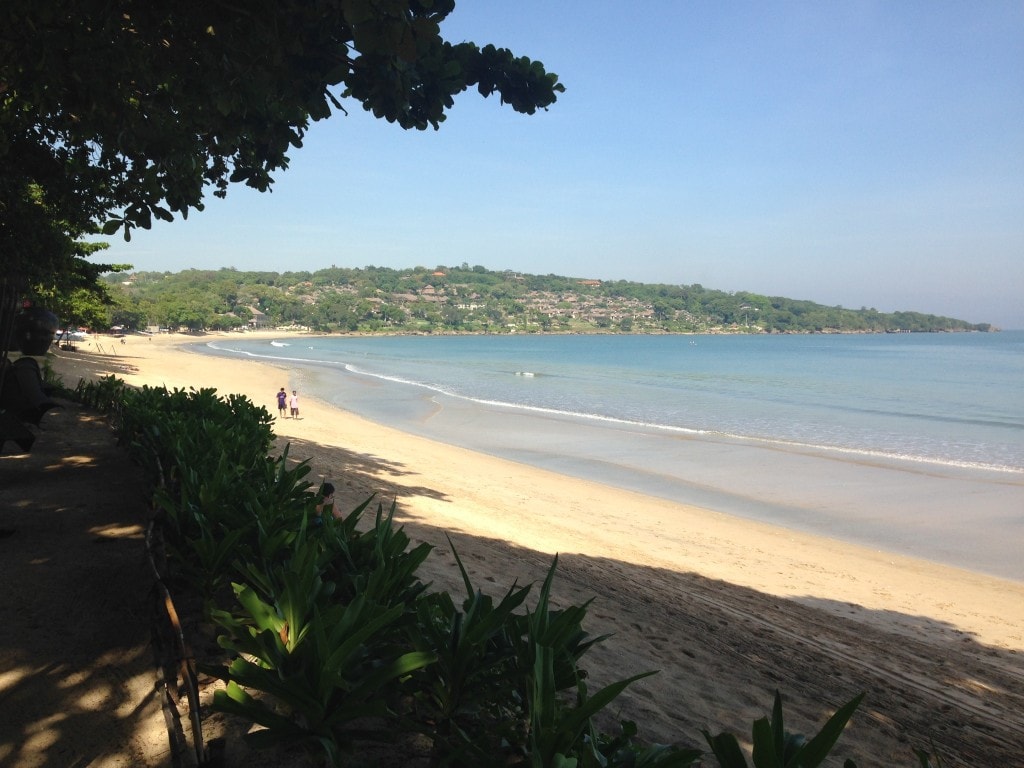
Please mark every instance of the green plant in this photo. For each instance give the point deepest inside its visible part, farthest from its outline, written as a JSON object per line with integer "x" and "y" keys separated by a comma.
{"x": 204, "y": 561}
{"x": 623, "y": 752}
{"x": 467, "y": 701}
{"x": 319, "y": 663}
{"x": 774, "y": 747}
{"x": 106, "y": 395}
{"x": 560, "y": 732}
{"x": 53, "y": 381}
{"x": 509, "y": 684}
{"x": 378, "y": 559}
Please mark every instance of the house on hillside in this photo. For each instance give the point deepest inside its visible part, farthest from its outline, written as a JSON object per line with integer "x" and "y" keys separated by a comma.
{"x": 429, "y": 293}
{"x": 259, "y": 320}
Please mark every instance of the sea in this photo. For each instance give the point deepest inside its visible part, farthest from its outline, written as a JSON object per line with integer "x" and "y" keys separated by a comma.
{"x": 905, "y": 443}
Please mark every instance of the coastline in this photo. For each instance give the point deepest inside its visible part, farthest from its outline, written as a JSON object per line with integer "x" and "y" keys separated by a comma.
{"x": 899, "y": 499}
{"x": 642, "y": 558}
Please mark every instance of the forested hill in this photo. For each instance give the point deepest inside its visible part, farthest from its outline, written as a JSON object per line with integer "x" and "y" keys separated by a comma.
{"x": 475, "y": 300}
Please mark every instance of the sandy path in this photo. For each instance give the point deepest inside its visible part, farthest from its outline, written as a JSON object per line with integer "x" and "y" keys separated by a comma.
{"x": 78, "y": 686}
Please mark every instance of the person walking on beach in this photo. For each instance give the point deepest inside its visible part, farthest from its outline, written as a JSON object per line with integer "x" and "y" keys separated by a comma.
{"x": 293, "y": 403}
{"x": 282, "y": 402}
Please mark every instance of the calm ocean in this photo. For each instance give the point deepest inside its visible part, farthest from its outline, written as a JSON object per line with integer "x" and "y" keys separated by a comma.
{"x": 908, "y": 442}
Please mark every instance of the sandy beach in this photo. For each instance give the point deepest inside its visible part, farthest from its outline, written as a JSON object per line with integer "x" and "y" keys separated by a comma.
{"x": 728, "y": 610}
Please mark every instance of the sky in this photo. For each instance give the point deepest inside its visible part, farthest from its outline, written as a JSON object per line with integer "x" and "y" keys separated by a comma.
{"x": 862, "y": 154}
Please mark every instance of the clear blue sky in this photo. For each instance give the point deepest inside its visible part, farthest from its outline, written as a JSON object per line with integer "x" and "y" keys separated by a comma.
{"x": 858, "y": 153}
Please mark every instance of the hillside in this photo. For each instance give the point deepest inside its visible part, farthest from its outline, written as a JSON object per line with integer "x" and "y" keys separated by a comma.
{"x": 477, "y": 300}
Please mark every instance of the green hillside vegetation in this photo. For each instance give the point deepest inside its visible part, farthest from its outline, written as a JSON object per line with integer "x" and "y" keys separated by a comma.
{"x": 468, "y": 299}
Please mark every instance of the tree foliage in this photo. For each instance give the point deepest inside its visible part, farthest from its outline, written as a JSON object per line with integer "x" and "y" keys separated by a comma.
{"x": 465, "y": 299}
{"x": 114, "y": 114}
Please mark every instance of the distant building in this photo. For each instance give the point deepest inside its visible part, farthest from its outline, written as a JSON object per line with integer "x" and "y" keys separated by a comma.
{"x": 259, "y": 320}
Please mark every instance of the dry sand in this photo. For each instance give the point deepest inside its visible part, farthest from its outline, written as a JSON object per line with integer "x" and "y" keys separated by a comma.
{"x": 728, "y": 610}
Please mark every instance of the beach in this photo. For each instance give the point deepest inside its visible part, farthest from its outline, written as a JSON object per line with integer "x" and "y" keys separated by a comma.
{"x": 728, "y": 609}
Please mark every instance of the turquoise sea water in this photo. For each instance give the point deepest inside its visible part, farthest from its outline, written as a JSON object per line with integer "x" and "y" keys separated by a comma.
{"x": 905, "y": 441}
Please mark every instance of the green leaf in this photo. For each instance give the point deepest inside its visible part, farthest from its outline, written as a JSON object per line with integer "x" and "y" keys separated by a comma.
{"x": 816, "y": 750}
{"x": 726, "y": 750}
{"x": 263, "y": 614}
{"x": 778, "y": 726}
{"x": 594, "y": 704}
{"x": 403, "y": 665}
{"x": 767, "y": 752}
{"x": 233, "y": 700}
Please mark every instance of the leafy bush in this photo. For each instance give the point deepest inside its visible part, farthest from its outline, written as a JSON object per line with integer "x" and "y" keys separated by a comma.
{"x": 774, "y": 747}
{"x": 320, "y": 662}
{"x": 106, "y": 395}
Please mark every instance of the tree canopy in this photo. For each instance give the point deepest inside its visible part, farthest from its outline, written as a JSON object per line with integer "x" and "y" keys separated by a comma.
{"x": 464, "y": 299}
{"x": 113, "y": 114}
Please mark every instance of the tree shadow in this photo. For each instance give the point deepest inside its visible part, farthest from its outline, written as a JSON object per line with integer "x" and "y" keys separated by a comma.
{"x": 356, "y": 475}
{"x": 722, "y": 650}
{"x": 77, "y": 679}
{"x": 93, "y": 364}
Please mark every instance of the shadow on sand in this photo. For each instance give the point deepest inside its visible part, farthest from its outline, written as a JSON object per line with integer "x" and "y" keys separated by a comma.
{"x": 76, "y": 674}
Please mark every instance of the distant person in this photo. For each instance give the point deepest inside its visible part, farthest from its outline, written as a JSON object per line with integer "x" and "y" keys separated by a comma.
{"x": 293, "y": 403}
{"x": 326, "y": 502}
{"x": 282, "y": 403}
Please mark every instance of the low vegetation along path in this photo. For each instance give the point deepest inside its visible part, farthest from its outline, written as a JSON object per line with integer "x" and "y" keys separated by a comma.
{"x": 77, "y": 683}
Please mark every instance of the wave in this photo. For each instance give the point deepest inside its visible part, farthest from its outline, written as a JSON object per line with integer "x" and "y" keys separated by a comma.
{"x": 932, "y": 416}
{"x": 620, "y": 422}
{"x": 247, "y": 353}
{"x": 778, "y": 443}
{"x": 279, "y": 344}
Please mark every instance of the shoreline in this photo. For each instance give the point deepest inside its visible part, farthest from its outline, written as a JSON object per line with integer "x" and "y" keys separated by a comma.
{"x": 167, "y": 361}
{"x": 885, "y": 502}
{"x": 728, "y": 608}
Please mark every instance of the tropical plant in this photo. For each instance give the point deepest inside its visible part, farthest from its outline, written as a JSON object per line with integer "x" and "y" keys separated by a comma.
{"x": 775, "y": 747}
{"x": 193, "y": 429}
{"x": 622, "y": 751}
{"x": 376, "y": 559}
{"x": 106, "y": 394}
{"x": 468, "y": 702}
{"x": 319, "y": 662}
{"x": 507, "y": 685}
{"x": 561, "y": 732}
